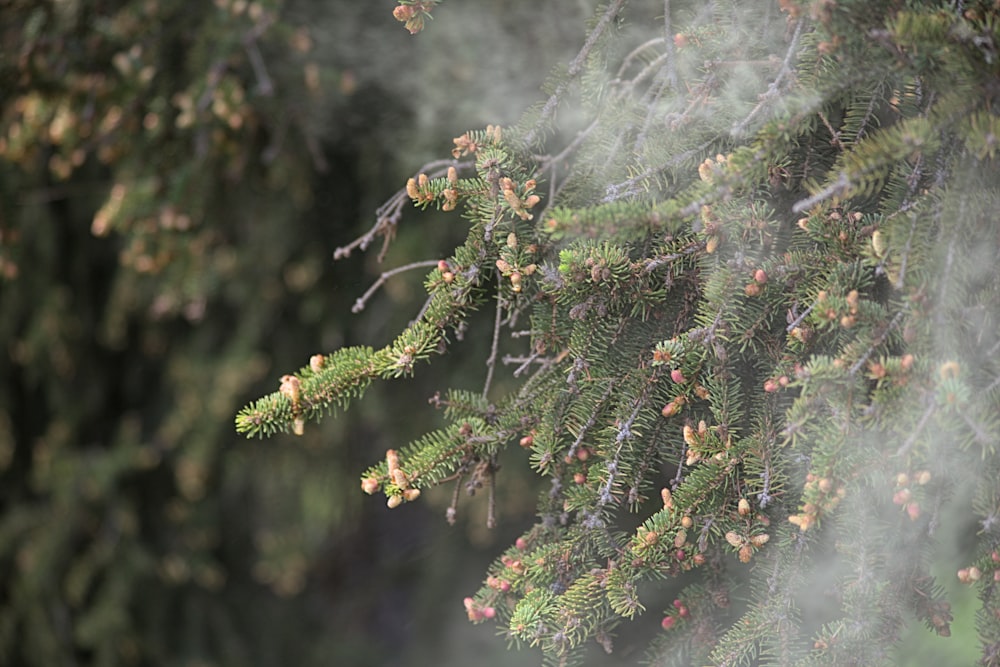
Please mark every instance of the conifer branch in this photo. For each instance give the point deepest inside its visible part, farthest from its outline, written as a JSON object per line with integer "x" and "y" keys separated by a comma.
{"x": 574, "y": 70}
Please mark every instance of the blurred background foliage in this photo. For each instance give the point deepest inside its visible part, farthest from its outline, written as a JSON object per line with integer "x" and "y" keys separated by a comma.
{"x": 174, "y": 179}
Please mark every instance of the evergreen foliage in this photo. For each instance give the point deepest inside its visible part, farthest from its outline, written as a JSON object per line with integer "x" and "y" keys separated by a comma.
{"x": 751, "y": 248}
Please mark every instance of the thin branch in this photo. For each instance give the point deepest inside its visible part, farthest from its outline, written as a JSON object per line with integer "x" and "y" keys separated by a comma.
{"x": 915, "y": 433}
{"x": 773, "y": 88}
{"x": 575, "y": 67}
{"x": 878, "y": 341}
{"x": 389, "y": 213}
{"x": 362, "y": 301}
{"x": 491, "y": 362}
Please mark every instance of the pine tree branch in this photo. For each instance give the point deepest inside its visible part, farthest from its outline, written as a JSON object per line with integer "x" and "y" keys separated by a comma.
{"x": 574, "y": 70}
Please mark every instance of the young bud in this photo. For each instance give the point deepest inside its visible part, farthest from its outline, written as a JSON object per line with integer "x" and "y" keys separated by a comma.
{"x": 667, "y": 498}
{"x": 290, "y": 387}
{"x": 316, "y": 362}
{"x": 391, "y": 460}
{"x": 410, "y": 495}
{"x": 760, "y": 540}
{"x": 400, "y": 479}
{"x": 677, "y": 375}
{"x": 411, "y": 189}
{"x": 369, "y": 485}
{"x": 687, "y": 522}
{"x": 452, "y": 175}
{"x": 394, "y": 501}
{"x": 746, "y": 553}
{"x": 743, "y": 507}
{"x": 734, "y": 538}
{"x": 878, "y": 243}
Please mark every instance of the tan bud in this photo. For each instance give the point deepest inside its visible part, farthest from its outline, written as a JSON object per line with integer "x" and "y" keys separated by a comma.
{"x": 392, "y": 460}
{"x": 316, "y": 362}
{"x": 746, "y": 553}
{"x": 743, "y": 507}
{"x": 734, "y": 539}
{"x": 680, "y": 538}
{"x": 452, "y": 175}
{"x": 760, "y": 540}
{"x": 400, "y": 479}
{"x": 878, "y": 243}
{"x": 411, "y": 189}
{"x": 410, "y": 495}
{"x": 290, "y": 386}
{"x": 394, "y": 501}
{"x": 667, "y": 498}
{"x": 369, "y": 485}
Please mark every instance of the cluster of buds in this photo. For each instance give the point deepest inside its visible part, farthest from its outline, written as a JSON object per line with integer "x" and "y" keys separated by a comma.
{"x": 508, "y": 268}
{"x": 291, "y": 388}
{"x": 754, "y": 287}
{"x": 417, "y": 189}
{"x": 713, "y": 227}
{"x": 398, "y": 477}
{"x": 672, "y": 618}
{"x": 970, "y": 575}
{"x": 498, "y": 584}
{"x": 478, "y": 612}
{"x": 823, "y": 495}
{"x": 515, "y": 565}
{"x": 831, "y": 312}
{"x": 708, "y": 169}
{"x": 413, "y": 13}
{"x": 674, "y": 407}
{"x": 746, "y": 545}
{"x": 697, "y": 441}
{"x": 903, "y": 496}
{"x": 520, "y": 206}
{"x": 772, "y": 385}
{"x": 466, "y": 145}
{"x": 447, "y": 275}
